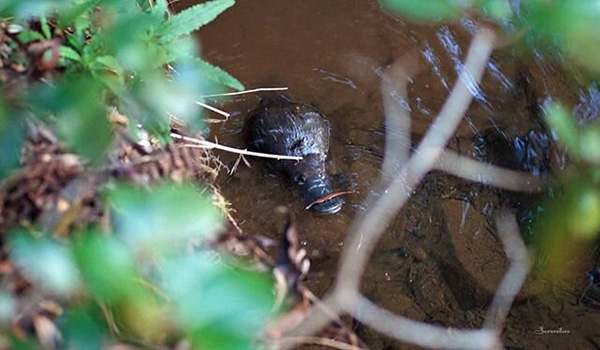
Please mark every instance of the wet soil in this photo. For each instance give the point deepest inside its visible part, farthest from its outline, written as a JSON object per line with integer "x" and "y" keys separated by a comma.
{"x": 441, "y": 260}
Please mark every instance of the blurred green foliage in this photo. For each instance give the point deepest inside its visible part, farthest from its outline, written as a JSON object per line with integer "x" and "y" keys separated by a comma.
{"x": 126, "y": 286}
{"x": 448, "y": 10}
{"x": 136, "y": 281}
{"x": 11, "y": 139}
{"x": 163, "y": 225}
{"x": 572, "y": 214}
{"x": 567, "y": 26}
{"x": 112, "y": 53}
{"x": 570, "y": 26}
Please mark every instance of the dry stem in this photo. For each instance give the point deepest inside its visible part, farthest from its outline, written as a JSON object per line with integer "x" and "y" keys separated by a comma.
{"x": 198, "y": 143}
{"x": 246, "y": 92}
{"x": 214, "y": 109}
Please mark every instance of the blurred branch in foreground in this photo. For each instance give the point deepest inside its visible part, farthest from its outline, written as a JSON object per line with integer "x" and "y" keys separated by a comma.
{"x": 366, "y": 231}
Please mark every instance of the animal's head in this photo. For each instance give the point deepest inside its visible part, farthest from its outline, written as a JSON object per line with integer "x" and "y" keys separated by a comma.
{"x": 310, "y": 175}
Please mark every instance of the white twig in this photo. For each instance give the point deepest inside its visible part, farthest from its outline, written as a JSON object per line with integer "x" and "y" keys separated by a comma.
{"x": 487, "y": 174}
{"x": 237, "y": 163}
{"x": 214, "y": 109}
{"x": 513, "y": 280}
{"x": 246, "y": 92}
{"x": 207, "y": 144}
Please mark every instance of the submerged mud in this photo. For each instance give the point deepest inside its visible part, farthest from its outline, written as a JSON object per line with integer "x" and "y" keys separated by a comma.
{"x": 441, "y": 260}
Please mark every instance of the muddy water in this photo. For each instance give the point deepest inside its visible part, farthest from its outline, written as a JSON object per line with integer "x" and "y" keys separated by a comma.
{"x": 441, "y": 260}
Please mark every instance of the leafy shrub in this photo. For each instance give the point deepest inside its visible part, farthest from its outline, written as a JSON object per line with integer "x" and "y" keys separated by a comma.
{"x": 129, "y": 281}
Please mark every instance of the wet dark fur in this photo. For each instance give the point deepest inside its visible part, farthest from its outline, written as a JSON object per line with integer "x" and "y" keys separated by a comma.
{"x": 279, "y": 126}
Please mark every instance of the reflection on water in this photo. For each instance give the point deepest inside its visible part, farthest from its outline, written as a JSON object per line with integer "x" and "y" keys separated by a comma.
{"x": 333, "y": 55}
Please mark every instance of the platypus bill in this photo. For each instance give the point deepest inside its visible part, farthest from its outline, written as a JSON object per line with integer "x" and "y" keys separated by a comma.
{"x": 279, "y": 126}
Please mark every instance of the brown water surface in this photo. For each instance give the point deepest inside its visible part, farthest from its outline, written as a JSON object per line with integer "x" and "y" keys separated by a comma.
{"x": 441, "y": 260}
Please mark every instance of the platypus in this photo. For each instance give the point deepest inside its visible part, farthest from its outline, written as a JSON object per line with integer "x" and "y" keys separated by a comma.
{"x": 280, "y": 126}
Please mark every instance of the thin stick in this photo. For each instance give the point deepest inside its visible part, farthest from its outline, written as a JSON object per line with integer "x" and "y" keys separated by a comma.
{"x": 326, "y": 198}
{"x": 207, "y": 144}
{"x": 488, "y": 174}
{"x": 214, "y": 109}
{"x": 246, "y": 92}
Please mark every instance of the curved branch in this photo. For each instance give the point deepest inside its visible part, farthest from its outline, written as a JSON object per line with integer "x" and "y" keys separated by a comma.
{"x": 365, "y": 233}
{"x": 421, "y": 333}
{"x": 513, "y": 280}
{"x": 487, "y": 174}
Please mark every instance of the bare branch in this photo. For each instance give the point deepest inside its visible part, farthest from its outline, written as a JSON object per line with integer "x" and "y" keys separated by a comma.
{"x": 397, "y": 128}
{"x": 365, "y": 233}
{"x": 420, "y": 333}
{"x": 488, "y": 174}
{"x": 209, "y": 145}
{"x": 515, "y": 249}
{"x": 246, "y": 92}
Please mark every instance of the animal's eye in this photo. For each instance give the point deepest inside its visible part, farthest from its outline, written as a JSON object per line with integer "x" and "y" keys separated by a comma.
{"x": 297, "y": 145}
{"x": 299, "y": 179}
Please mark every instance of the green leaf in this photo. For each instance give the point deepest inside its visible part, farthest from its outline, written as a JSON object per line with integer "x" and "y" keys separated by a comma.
{"x": 193, "y": 18}
{"x": 589, "y": 147}
{"x": 11, "y": 140}
{"x": 83, "y": 123}
{"x": 109, "y": 63}
{"x": 221, "y": 307}
{"x": 81, "y": 328}
{"x": 162, "y": 218}
{"x": 160, "y": 7}
{"x": 78, "y": 38}
{"x": 496, "y": 9}
{"x": 427, "y": 10}
{"x": 69, "y": 53}
{"x": 24, "y": 344}
{"x": 68, "y": 17}
{"x": 563, "y": 123}
{"x": 107, "y": 266}
{"x": 570, "y": 26}
{"x": 45, "y": 27}
{"x": 27, "y": 36}
{"x": 583, "y": 213}
{"x": 180, "y": 49}
{"x": 47, "y": 263}
{"x": 218, "y": 75}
